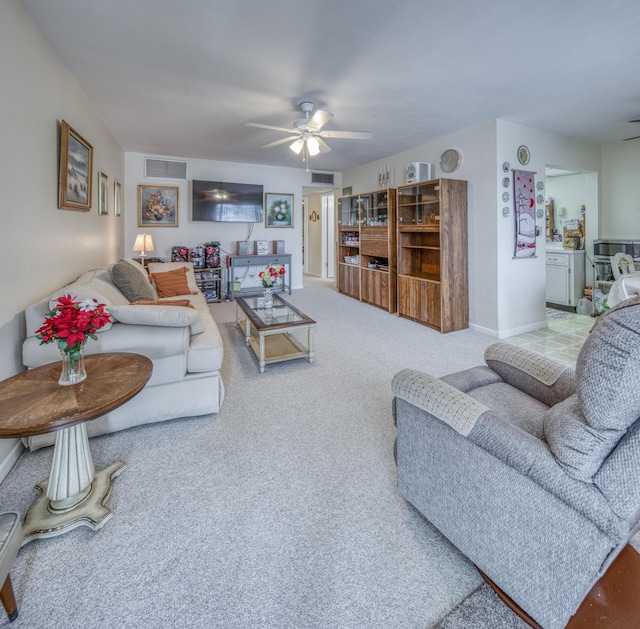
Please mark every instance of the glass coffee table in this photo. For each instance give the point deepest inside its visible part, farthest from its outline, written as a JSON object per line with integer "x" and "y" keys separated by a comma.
{"x": 274, "y": 334}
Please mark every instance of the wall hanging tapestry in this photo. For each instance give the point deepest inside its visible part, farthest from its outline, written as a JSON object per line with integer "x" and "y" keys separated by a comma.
{"x": 524, "y": 198}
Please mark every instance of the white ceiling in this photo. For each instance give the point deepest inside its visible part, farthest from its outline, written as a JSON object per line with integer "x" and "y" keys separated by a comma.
{"x": 181, "y": 77}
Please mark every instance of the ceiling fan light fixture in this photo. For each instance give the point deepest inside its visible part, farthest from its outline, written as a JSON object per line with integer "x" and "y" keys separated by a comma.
{"x": 296, "y": 146}
{"x": 313, "y": 146}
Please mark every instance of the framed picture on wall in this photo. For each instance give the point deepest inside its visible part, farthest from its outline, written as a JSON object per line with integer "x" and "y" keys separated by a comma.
{"x": 103, "y": 193}
{"x": 278, "y": 210}
{"x": 76, "y": 170}
{"x": 117, "y": 198}
{"x": 157, "y": 206}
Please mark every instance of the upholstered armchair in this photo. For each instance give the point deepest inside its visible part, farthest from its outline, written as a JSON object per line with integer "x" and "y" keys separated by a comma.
{"x": 10, "y": 541}
{"x": 531, "y": 469}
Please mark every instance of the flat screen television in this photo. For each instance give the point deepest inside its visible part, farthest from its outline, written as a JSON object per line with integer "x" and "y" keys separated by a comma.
{"x": 227, "y": 202}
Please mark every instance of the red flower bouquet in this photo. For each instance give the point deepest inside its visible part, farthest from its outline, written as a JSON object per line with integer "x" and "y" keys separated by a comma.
{"x": 271, "y": 276}
{"x": 70, "y": 324}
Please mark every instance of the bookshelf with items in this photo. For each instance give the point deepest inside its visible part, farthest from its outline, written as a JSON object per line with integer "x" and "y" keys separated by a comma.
{"x": 348, "y": 246}
{"x": 432, "y": 254}
{"x": 205, "y": 259}
{"x": 378, "y": 249}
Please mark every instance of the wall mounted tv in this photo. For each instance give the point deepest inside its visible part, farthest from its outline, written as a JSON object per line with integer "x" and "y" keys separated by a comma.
{"x": 227, "y": 202}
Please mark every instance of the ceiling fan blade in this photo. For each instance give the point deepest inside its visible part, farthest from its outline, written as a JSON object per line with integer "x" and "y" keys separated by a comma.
{"x": 319, "y": 119}
{"x": 267, "y": 126}
{"x": 347, "y": 135}
{"x": 283, "y": 141}
{"x": 634, "y": 120}
{"x": 633, "y": 138}
{"x": 324, "y": 147}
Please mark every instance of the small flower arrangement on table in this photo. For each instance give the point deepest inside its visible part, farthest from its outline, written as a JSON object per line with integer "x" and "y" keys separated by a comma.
{"x": 70, "y": 323}
{"x": 271, "y": 276}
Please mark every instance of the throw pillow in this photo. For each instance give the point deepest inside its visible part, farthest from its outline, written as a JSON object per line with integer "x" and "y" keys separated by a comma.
{"x": 132, "y": 282}
{"x": 171, "y": 283}
{"x": 579, "y": 448}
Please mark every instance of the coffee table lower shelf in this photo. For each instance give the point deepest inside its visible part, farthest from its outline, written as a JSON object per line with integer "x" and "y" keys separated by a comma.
{"x": 278, "y": 348}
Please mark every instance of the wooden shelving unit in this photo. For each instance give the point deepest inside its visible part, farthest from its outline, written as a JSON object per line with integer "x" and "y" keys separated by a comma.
{"x": 366, "y": 248}
{"x": 432, "y": 285}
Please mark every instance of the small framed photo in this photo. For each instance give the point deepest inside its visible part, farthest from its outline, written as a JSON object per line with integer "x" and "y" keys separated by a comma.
{"x": 278, "y": 210}
{"x": 157, "y": 206}
{"x": 103, "y": 193}
{"x": 76, "y": 170}
{"x": 117, "y": 198}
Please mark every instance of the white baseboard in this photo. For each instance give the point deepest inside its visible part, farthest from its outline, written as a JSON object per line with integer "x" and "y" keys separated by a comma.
{"x": 10, "y": 459}
{"x": 479, "y": 328}
{"x": 507, "y": 333}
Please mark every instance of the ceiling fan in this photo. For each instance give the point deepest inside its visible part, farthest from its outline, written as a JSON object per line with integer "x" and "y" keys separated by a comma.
{"x": 306, "y": 134}
{"x": 635, "y": 137}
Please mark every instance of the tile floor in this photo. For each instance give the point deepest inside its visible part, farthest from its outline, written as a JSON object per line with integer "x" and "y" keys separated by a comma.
{"x": 562, "y": 339}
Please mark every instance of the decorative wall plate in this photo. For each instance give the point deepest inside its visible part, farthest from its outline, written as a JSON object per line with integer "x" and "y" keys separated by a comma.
{"x": 449, "y": 160}
{"x": 540, "y": 213}
{"x": 505, "y": 167}
{"x": 540, "y": 198}
{"x": 506, "y": 182}
{"x": 523, "y": 155}
{"x": 540, "y": 185}
{"x": 506, "y": 211}
{"x": 505, "y": 196}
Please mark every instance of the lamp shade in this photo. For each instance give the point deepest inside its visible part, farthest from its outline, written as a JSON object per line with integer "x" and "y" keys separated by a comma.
{"x": 313, "y": 146}
{"x": 296, "y": 147}
{"x": 143, "y": 243}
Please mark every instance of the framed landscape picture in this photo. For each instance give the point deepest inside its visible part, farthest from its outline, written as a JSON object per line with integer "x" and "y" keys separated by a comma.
{"x": 76, "y": 171}
{"x": 157, "y": 206}
{"x": 278, "y": 210}
{"x": 103, "y": 194}
{"x": 117, "y": 198}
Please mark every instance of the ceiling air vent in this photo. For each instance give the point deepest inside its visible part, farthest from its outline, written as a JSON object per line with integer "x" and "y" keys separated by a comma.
{"x": 326, "y": 179}
{"x": 164, "y": 169}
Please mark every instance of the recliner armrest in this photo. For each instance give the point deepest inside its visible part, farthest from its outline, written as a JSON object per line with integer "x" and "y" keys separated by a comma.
{"x": 546, "y": 379}
{"x": 448, "y": 404}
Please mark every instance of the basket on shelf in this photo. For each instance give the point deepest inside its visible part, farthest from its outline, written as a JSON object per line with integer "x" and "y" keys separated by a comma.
{"x": 352, "y": 259}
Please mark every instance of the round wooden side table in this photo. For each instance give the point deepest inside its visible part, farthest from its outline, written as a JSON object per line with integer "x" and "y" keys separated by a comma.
{"x": 32, "y": 403}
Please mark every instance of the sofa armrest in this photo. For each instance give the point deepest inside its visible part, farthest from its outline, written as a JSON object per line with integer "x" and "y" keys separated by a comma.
{"x": 438, "y": 398}
{"x": 546, "y": 379}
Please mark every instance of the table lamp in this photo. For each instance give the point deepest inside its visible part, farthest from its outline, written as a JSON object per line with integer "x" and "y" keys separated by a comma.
{"x": 143, "y": 243}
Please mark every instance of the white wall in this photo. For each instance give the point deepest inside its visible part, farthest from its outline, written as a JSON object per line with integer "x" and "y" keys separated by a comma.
{"x": 43, "y": 247}
{"x": 190, "y": 233}
{"x": 620, "y": 215}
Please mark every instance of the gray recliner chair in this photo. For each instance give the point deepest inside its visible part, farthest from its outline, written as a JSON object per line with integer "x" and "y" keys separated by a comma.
{"x": 10, "y": 542}
{"x": 531, "y": 469}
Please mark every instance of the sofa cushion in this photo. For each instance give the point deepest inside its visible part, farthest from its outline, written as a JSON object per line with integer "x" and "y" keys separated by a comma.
{"x": 579, "y": 448}
{"x": 171, "y": 283}
{"x": 163, "y": 267}
{"x": 131, "y": 279}
{"x": 608, "y": 368}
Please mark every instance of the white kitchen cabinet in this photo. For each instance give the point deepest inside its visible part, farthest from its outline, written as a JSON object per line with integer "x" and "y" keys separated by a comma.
{"x": 565, "y": 277}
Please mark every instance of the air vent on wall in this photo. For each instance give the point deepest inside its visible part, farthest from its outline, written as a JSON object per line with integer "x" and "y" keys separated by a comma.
{"x": 326, "y": 179}
{"x": 164, "y": 169}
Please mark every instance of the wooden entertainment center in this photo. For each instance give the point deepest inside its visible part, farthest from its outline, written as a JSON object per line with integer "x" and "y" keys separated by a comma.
{"x": 405, "y": 250}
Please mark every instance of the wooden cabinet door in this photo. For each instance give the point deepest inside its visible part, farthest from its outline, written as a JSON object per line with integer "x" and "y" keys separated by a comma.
{"x": 375, "y": 288}
{"x": 420, "y": 300}
{"x": 349, "y": 280}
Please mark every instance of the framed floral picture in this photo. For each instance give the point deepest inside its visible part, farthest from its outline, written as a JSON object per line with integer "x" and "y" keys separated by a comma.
{"x": 103, "y": 194}
{"x": 278, "y": 210}
{"x": 157, "y": 206}
{"x": 117, "y": 198}
{"x": 76, "y": 170}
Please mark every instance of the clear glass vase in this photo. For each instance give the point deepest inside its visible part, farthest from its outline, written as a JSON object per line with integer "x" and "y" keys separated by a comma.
{"x": 268, "y": 297}
{"x": 73, "y": 370}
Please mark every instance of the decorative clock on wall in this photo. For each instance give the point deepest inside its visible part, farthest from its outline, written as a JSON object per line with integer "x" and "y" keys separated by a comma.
{"x": 450, "y": 161}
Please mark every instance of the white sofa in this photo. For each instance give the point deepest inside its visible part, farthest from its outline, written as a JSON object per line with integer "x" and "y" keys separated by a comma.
{"x": 183, "y": 343}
